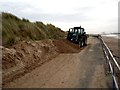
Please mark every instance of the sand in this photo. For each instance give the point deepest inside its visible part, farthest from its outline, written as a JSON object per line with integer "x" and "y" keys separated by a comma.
{"x": 114, "y": 44}
{"x": 25, "y": 56}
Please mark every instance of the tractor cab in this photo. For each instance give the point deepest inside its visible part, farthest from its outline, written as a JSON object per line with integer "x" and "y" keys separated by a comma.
{"x": 76, "y": 34}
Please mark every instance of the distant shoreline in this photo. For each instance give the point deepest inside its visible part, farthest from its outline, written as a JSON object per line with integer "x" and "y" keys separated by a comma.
{"x": 117, "y": 36}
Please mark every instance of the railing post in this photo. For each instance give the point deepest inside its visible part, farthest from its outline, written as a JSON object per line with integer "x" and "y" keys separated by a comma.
{"x": 113, "y": 75}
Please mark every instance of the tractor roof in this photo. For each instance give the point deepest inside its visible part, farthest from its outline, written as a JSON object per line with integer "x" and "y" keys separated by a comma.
{"x": 78, "y": 27}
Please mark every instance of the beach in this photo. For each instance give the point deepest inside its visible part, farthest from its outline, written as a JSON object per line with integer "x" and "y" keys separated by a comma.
{"x": 114, "y": 43}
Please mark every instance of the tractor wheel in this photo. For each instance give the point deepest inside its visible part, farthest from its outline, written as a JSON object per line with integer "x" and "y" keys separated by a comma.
{"x": 86, "y": 42}
{"x": 81, "y": 43}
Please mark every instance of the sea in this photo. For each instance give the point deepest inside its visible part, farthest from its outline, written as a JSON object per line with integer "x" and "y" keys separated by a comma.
{"x": 112, "y": 35}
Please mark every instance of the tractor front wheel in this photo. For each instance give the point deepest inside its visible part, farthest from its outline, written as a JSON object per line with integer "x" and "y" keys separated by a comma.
{"x": 81, "y": 43}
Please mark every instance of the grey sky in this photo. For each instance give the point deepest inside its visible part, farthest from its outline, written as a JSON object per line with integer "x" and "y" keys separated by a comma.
{"x": 95, "y": 16}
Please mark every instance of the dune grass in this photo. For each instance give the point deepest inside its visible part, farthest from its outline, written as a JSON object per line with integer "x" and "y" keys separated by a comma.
{"x": 15, "y": 29}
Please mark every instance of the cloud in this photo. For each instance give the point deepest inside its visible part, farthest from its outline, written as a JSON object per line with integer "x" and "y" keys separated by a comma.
{"x": 77, "y": 17}
{"x": 95, "y": 15}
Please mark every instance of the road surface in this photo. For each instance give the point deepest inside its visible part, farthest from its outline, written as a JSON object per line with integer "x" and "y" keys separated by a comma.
{"x": 77, "y": 70}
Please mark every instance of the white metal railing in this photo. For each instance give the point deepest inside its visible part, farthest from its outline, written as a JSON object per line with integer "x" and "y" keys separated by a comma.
{"x": 109, "y": 56}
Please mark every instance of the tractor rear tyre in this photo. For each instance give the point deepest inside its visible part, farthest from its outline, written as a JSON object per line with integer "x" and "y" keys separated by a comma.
{"x": 81, "y": 43}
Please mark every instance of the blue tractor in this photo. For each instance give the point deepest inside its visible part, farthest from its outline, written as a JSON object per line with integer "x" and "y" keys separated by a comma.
{"x": 77, "y": 35}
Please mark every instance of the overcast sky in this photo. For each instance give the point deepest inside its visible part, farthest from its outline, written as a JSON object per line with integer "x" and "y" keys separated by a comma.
{"x": 96, "y": 16}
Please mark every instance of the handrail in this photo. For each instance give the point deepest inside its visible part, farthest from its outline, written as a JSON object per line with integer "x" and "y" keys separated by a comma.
{"x": 106, "y": 52}
{"x": 111, "y": 69}
{"x": 111, "y": 55}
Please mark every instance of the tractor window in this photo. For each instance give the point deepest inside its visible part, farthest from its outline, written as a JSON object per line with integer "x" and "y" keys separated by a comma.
{"x": 79, "y": 31}
{"x": 76, "y": 30}
{"x": 82, "y": 31}
{"x": 71, "y": 30}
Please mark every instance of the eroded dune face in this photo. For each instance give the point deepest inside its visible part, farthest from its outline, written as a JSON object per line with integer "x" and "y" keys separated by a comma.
{"x": 27, "y": 55}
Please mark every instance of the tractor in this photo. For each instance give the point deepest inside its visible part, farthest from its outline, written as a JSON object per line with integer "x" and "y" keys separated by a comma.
{"x": 77, "y": 35}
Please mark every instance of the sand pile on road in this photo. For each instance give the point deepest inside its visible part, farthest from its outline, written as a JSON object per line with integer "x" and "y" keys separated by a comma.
{"x": 27, "y": 55}
{"x": 65, "y": 46}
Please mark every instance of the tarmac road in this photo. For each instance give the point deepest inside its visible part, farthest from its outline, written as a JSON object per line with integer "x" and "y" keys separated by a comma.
{"x": 78, "y": 70}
